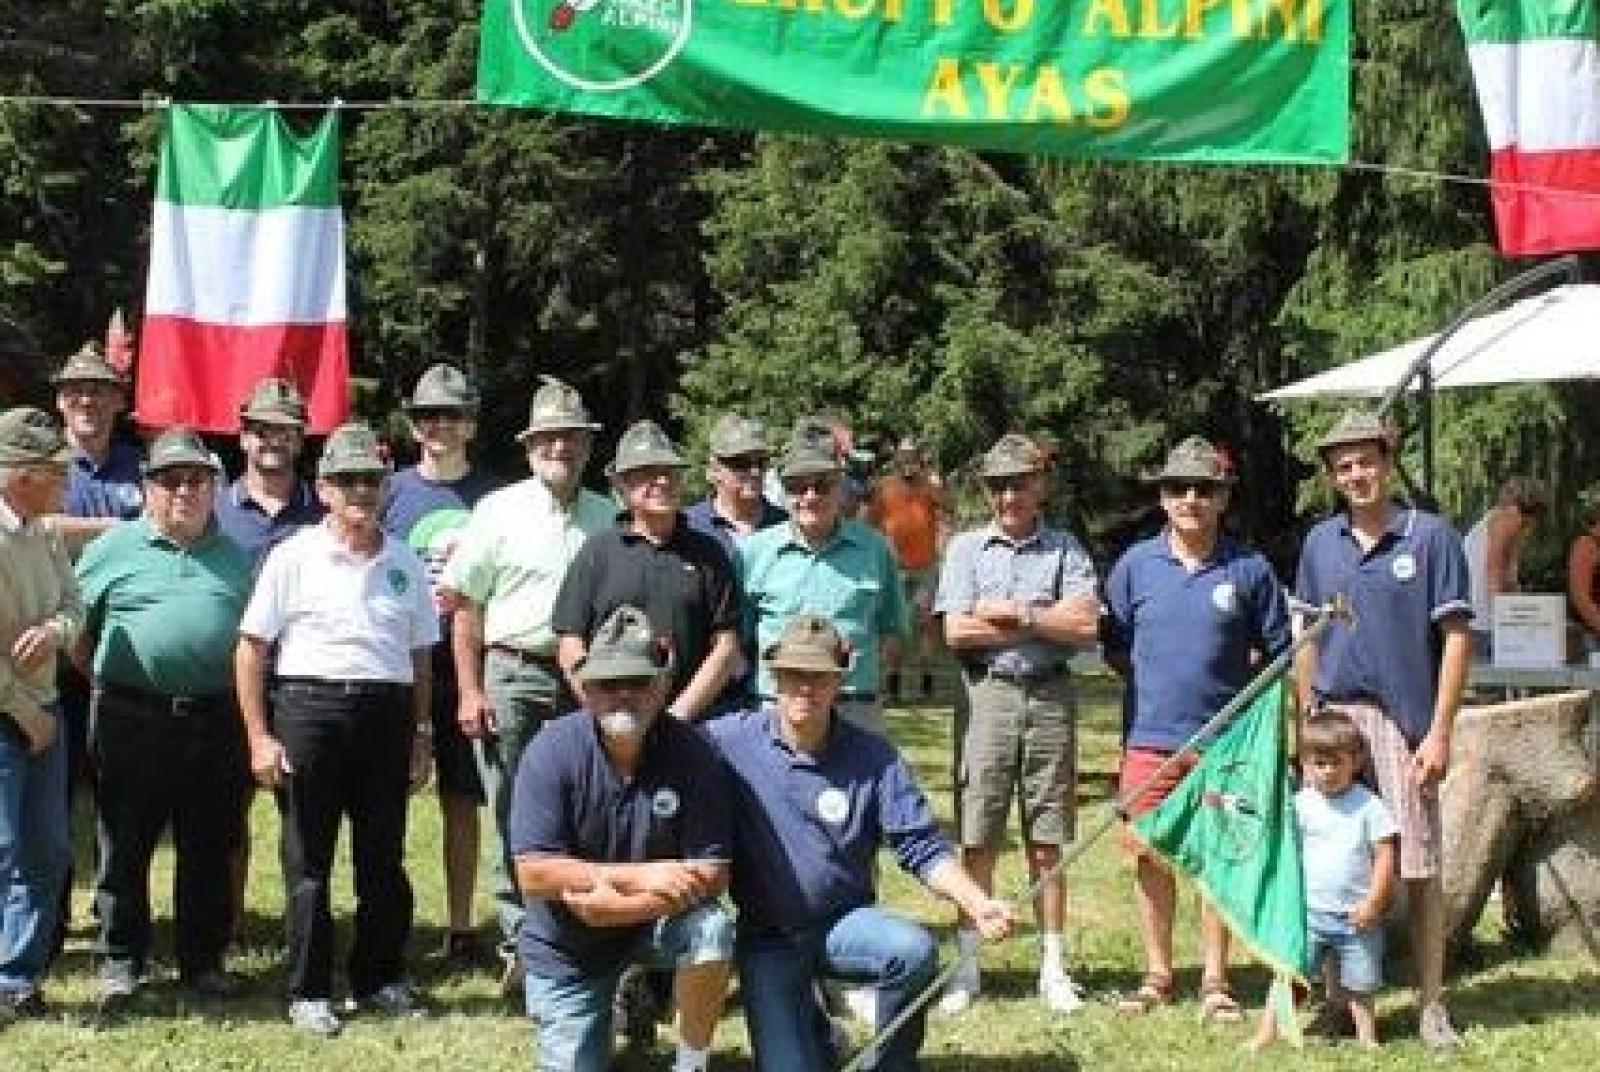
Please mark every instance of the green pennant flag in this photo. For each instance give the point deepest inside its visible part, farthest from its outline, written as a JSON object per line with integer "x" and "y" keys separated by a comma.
{"x": 1230, "y": 825}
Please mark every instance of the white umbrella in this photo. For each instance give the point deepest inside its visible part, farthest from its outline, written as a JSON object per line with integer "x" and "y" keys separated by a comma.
{"x": 1552, "y": 336}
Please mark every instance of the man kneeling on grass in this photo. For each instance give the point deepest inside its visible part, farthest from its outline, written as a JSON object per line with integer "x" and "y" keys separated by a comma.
{"x": 620, "y": 831}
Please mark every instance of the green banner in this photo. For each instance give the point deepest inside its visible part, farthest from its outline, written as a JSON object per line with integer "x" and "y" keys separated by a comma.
{"x": 1218, "y": 80}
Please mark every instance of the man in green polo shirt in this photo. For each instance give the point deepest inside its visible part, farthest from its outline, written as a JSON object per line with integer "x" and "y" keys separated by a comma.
{"x": 163, "y": 595}
{"x": 820, "y": 562}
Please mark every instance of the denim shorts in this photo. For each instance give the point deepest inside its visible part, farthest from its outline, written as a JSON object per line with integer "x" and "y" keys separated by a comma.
{"x": 1359, "y": 954}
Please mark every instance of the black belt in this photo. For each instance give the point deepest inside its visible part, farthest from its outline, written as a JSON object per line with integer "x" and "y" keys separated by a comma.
{"x": 843, "y": 697}
{"x": 526, "y": 657}
{"x": 179, "y": 706}
{"x": 981, "y": 671}
{"x": 325, "y": 687}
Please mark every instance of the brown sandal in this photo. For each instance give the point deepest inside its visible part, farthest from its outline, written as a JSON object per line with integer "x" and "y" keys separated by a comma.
{"x": 1218, "y": 1005}
{"x": 1155, "y": 991}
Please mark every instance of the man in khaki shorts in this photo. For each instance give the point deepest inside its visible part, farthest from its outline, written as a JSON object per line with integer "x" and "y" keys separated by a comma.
{"x": 1017, "y": 596}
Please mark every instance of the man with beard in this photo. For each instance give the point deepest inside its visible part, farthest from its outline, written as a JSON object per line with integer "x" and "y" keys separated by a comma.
{"x": 349, "y": 612}
{"x": 621, "y": 833}
{"x": 427, "y": 507}
{"x": 163, "y": 596}
{"x": 269, "y": 500}
{"x": 503, "y": 579}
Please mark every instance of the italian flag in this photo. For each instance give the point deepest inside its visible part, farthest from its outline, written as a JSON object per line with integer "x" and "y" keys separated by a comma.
{"x": 1537, "y": 68}
{"x": 246, "y": 269}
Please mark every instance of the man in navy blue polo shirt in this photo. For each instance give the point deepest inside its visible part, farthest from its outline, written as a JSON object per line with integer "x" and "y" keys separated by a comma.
{"x": 737, "y": 506}
{"x": 105, "y": 486}
{"x": 620, "y": 832}
{"x": 813, "y": 798}
{"x": 270, "y": 500}
{"x": 1398, "y": 670}
{"x": 1190, "y": 612}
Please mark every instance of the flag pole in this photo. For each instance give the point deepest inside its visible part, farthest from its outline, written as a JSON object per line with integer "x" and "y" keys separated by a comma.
{"x": 1322, "y": 617}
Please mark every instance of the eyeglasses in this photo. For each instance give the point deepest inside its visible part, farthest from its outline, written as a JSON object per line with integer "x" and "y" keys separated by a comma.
{"x": 1177, "y": 489}
{"x": 746, "y": 463}
{"x": 173, "y": 479}
{"x": 998, "y": 484}
{"x": 266, "y": 430}
{"x": 355, "y": 480}
{"x": 422, "y": 416}
{"x": 798, "y": 486}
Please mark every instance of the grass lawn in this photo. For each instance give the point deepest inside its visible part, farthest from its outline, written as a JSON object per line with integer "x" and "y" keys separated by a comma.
{"x": 1517, "y": 1013}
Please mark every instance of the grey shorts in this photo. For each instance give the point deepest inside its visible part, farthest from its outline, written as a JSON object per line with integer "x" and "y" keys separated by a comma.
{"x": 1016, "y": 740}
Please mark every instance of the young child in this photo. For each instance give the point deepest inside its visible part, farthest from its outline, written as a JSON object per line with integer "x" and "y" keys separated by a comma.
{"x": 1350, "y": 852}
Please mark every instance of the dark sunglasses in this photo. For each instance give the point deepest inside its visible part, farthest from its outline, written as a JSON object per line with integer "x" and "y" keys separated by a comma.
{"x": 744, "y": 462}
{"x": 355, "y": 480}
{"x": 798, "y": 486}
{"x": 421, "y": 416}
{"x": 1177, "y": 489}
{"x": 998, "y": 484}
{"x": 173, "y": 479}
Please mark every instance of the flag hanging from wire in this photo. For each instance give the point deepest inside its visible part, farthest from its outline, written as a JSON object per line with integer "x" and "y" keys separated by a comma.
{"x": 247, "y": 269}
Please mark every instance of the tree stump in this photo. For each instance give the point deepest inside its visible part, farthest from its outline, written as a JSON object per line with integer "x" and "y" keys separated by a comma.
{"x": 1520, "y": 802}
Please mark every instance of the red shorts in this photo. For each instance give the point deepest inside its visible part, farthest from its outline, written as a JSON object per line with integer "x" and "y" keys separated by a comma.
{"x": 1138, "y": 764}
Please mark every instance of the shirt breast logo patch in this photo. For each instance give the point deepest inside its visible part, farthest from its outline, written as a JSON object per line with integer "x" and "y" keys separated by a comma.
{"x": 1404, "y": 566}
{"x": 664, "y": 804}
{"x": 1225, "y": 597}
{"x": 833, "y": 806}
{"x": 398, "y": 582}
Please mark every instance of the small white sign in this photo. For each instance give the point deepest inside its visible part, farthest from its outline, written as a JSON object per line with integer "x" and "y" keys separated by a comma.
{"x": 1530, "y": 631}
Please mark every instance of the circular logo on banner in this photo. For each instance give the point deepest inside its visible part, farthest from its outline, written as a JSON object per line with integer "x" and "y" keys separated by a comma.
{"x": 1225, "y": 597}
{"x": 664, "y": 805}
{"x": 398, "y": 580}
{"x": 1404, "y": 566}
{"x": 833, "y": 806}
{"x": 603, "y": 46}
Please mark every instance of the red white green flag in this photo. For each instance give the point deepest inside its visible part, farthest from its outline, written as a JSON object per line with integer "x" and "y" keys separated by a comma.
{"x": 247, "y": 269}
{"x": 1537, "y": 68}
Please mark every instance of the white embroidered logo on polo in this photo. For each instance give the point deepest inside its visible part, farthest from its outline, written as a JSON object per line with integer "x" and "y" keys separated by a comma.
{"x": 1404, "y": 566}
{"x": 833, "y": 806}
{"x": 1225, "y": 597}
{"x": 664, "y": 805}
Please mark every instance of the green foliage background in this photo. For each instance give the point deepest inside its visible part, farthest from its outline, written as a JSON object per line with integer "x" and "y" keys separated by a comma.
{"x": 674, "y": 273}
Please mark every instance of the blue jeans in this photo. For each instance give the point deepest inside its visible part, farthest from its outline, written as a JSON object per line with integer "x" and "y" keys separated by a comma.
{"x": 778, "y": 972}
{"x": 572, "y": 1017}
{"x": 35, "y": 855}
{"x": 1358, "y": 955}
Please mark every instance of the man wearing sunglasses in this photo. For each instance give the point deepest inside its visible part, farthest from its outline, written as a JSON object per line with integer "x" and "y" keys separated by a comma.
{"x": 427, "y": 507}
{"x": 1017, "y": 597}
{"x": 163, "y": 596}
{"x": 821, "y": 562}
{"x": 349, "y": 611}
{"x": 269, "y": 500}
{"x": 1190, "y": 614}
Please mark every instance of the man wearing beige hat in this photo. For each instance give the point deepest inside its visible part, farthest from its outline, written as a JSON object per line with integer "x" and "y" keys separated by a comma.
{"x": 737, "y": 507}
{"x": 1017, "y": 597}
{"x": 163, "y": 596}
{"x": 1190, "y": 614}
{"x": 502, "y": 579}
{"x": 40, "y": 616}
{"x": 104, "y": 487}
{"x": 814, "y": 798}
{"x": 269, "y": 500}
{"x": 622, "y": 836}
{"x": 1397, "y": 670}
{"x": 349, "y": 613}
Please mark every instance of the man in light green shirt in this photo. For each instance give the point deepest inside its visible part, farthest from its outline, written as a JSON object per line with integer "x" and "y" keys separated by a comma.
{"x": 40, "y": 615}
{"x": 819, "y": 562}
{"x": 502, "y": 581}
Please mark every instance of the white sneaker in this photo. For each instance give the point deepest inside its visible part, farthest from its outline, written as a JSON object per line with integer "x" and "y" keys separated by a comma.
{"x": 314, "y": 1016}
{"x": 862, "y": 1001}
{"x": 1058, "y": 992}
{"x": 962, "y": 990}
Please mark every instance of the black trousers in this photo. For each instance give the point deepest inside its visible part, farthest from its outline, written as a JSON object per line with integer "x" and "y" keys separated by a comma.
{"x": 350, "y": 749}
{"x": 159, "y": 762}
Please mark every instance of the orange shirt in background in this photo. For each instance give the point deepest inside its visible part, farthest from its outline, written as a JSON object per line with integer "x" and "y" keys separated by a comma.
{"x": 907, "y": 513}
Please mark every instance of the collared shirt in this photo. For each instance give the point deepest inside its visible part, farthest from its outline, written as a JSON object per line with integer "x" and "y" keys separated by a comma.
{"x": 114, "y": 488}
{"x": 514, "y": 554}
{"x": 705, "y": 517}
{"x": 852, "y": 580}
{"x": 247, "y": 523}
{"x": 1413, "y": 577}
{"x": 985, "y": 563}
{"x": 429, "y": 516}
{"x": 570, "y": 801}
{"x": 1189, "y": 635}
{"x": 36, "y": 587}
{"x": 807, "y": 827}
{"x": 339, "y": 617}
{"x": 166, "y": 617}
{"x": 685, "y": 587}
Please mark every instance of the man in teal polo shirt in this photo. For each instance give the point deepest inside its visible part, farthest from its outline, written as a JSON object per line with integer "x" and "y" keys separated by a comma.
{"x": 163, "y": 596}
{"x": 820, "y": 562}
